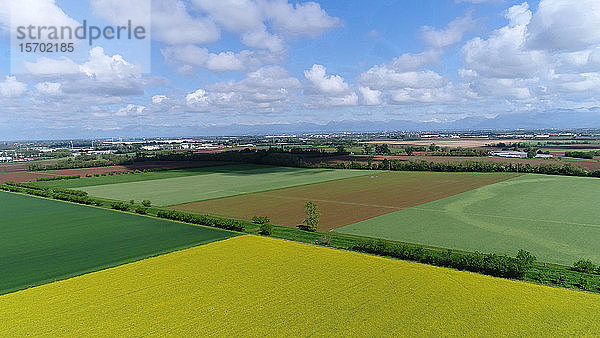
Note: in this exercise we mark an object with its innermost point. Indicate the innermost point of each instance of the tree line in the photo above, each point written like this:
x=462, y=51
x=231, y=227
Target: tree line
x=488, y=264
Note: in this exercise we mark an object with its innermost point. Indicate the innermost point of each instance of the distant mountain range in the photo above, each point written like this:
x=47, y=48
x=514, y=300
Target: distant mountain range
x=560, y=119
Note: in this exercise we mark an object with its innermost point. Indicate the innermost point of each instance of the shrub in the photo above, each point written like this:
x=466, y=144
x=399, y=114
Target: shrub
x=489, y=264
x=120, y=206
x=324, y=240
x=146, y=203
x=222, y=223
x=266, y=229
x=538, y=276
x=582, y=283
x=96, y=175
x=56, y=178
x=132, y=202
x=584, y=265
x=561, y=280
x=261, y=220
x=141, y=210
x=88, y=175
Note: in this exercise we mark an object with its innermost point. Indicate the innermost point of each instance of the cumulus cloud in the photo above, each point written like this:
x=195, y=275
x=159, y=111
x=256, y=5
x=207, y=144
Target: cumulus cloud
x=565, y=25
x=172, y=24
x=327, y=90
x=299, y=19
x=49, y=88
x=249, y=19
x=131, y=110
x=264, y=90
x=34, y=12
x=157, y=99
x=193, y=56
x=370, y=97
x=504, y=53
x=333, y=84
x=453, y=33
x=11, y=87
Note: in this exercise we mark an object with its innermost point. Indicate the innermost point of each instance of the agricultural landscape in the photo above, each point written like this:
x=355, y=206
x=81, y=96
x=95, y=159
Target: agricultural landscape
x=227, y=243
x=299, y=168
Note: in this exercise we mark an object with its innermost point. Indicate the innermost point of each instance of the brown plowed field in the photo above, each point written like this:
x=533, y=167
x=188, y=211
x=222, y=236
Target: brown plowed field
x=24, y=176
x=347, y=201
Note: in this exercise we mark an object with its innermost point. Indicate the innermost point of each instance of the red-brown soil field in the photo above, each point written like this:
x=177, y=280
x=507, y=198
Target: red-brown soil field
x=349, y=200
x=25, y=176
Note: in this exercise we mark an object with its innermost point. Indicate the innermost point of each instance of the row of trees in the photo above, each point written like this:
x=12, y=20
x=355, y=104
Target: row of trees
x=586, y=266
x=68, y=195
x=466, y=166
x=222, y=223
x=589, y=155
x=489, y=264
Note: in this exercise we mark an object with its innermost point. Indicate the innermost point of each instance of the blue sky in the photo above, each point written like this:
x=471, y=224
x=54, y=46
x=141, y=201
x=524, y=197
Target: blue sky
x=278, y=61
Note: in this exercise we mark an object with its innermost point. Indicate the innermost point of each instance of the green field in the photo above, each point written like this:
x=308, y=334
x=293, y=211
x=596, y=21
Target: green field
x=43, y=240
x=554, y=217
x=221, y=182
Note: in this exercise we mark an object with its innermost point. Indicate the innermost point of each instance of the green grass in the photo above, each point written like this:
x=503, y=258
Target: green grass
x=221, y=183
x=554, y=217
x=43, y=240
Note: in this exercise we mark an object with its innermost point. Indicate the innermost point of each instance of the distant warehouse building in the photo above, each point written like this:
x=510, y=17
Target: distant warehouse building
x=512, y=154
x=517, y=154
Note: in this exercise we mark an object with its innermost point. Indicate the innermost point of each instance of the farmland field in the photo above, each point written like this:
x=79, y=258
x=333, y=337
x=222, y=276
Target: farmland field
x=219, y=182
x=252, y=286
x=143, y=176
x=347, y=201
x=554, y=217
x=43, y=240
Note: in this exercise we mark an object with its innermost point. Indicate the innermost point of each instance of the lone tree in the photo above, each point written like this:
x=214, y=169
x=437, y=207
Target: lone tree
x=313, y=216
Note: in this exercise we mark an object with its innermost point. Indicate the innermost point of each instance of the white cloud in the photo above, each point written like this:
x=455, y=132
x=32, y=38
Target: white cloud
x=157, y=99
x=333, y=84
x=197, y=98
x=118, y=12
x=173, y=25
x=34, y=12
x=565, y=25
x=370, y=97
x=266, y=90
x=11, y=87
x=47, y=66
x=98, y=66
x=299, y=19
x=49, y=88
x=385, y=77
x=103, y=67
x=452, y=34
x=327, y=90
x=131, y=110
x=504, y=54
x=249, y=19
x=193, y=56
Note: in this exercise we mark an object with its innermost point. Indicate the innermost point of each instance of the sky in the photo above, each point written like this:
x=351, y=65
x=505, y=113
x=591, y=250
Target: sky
x=254, y=62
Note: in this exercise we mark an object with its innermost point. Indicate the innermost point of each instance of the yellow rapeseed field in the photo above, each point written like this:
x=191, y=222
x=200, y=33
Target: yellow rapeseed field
x=251, y=286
